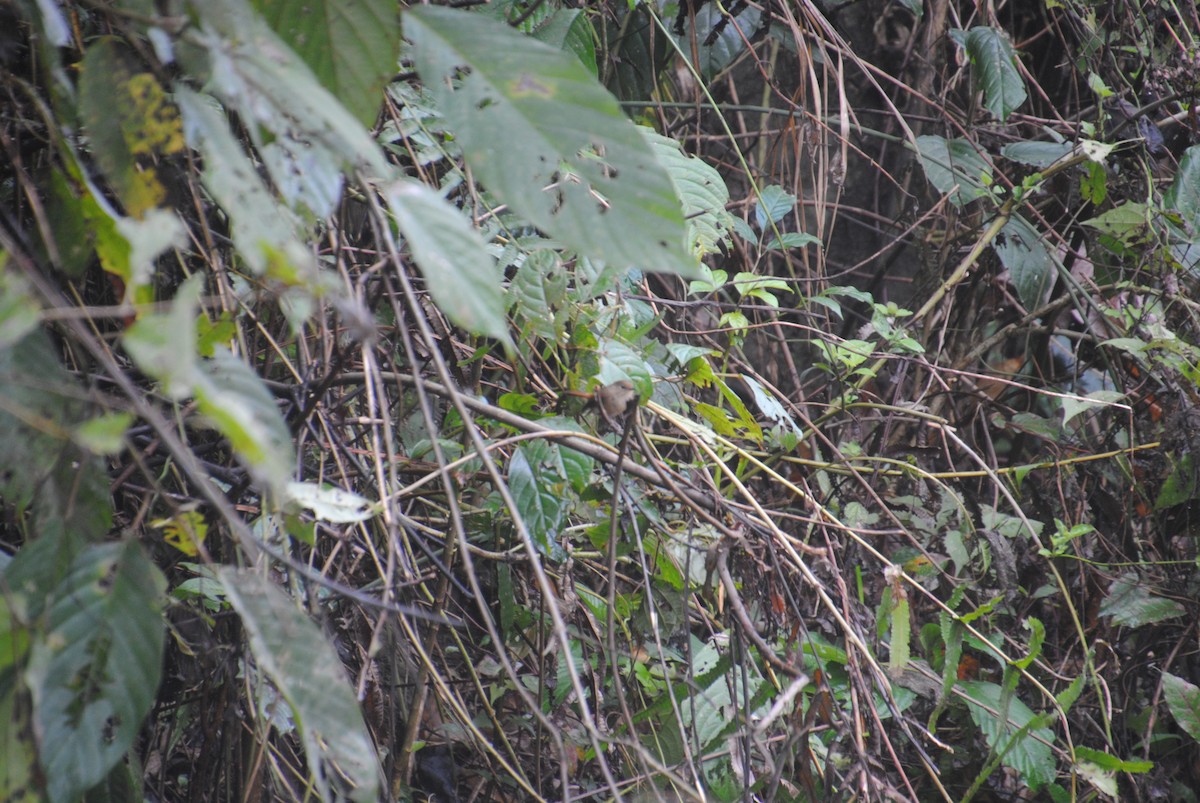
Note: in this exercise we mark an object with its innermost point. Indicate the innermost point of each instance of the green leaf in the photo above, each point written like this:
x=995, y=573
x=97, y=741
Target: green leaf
x=1127, y=222
x=328, y=503
x=619, y=361
x=1180, y=485
x=1032, y=758
x=1184, y=193
x=459, y=271
x=774, y=203
x=290, y=650
x=1037, y=154
x=1031, y=266
x=570, y=29
x=1130, y=603
x=350, y=47
x=572, y=163
x=899, y=635
x=792, y=239
x=539, y=504
x=95, y=675
x=1183, y=698
x=253, y=70
x=163, y=344
x=104, y=434
x=954, y=166
x=40, y=405
x=1111, y=763
x=702, y=191
x=266, y=233
x=993, y=65
x=231, y=396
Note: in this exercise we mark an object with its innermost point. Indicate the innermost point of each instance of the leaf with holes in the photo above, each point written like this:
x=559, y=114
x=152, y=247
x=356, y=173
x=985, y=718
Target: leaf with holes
x=569, y=159
x=95, y=675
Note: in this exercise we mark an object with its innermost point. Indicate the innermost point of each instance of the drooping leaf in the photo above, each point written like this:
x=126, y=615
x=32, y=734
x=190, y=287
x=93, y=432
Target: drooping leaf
x=227, y=392
x=993, y=65
x=266, y=234
x=350, y=47
x=1183, y=698
x=954, y=166
x=254, y=71
x=95, y=675
x=459, y=271
x=1031, y=266
x=290, y=650
x=1031, y=755
x=570, y=161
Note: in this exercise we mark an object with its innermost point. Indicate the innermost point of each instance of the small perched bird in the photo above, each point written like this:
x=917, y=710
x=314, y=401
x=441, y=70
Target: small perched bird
x=613, y=400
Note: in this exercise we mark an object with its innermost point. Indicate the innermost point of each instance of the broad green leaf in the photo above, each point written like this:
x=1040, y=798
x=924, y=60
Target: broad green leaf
x=42, y=467
x=570, y=29
x=537, y=289
x=234, y=398
x=1037, y=154
x=266, y=233
x=459, y=271
x=619, y=361
x=1184, y=193
x=702, y=191
x=1128, y=222
x=1073, y=406
x=1130, y=603
x=770, y=406
x=570, y=161
x=567, y=464
x=539, y=503
x=1183, y=698
x=1032, y=758
x=1180, y=485
x=792, y=239
x=254, y=71
x=290, y=650
x=1031, y=266
x=775, y=202
x=993, y=64
x=954, y=166
x=95, y=676
x=350, y=47
x=328, y=503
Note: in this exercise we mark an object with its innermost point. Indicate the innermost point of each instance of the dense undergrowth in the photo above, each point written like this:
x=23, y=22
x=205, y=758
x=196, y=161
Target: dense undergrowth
x=642, y=401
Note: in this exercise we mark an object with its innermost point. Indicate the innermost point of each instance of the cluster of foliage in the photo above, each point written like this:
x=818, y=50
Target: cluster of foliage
x=302, y=304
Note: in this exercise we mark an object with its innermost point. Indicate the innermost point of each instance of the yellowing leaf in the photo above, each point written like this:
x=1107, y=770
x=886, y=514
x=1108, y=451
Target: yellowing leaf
x=186, y=531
